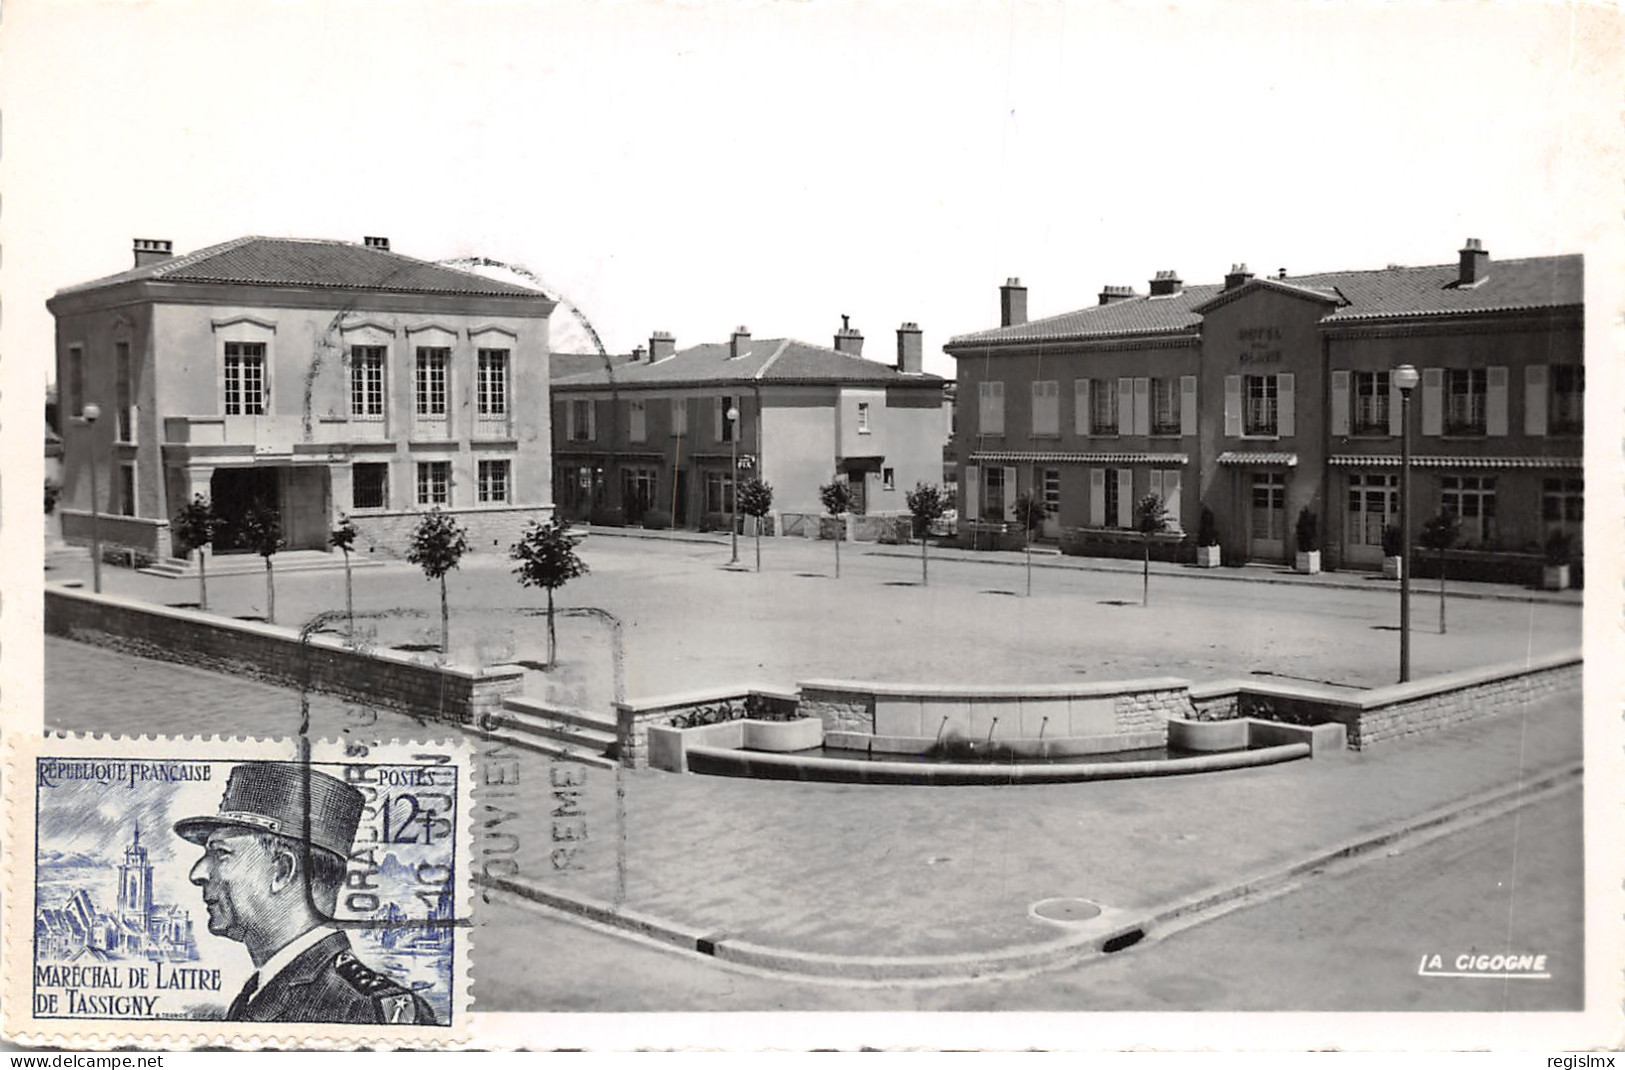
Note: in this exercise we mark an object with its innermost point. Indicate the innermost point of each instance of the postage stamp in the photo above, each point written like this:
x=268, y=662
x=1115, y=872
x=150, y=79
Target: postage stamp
x=248, y=893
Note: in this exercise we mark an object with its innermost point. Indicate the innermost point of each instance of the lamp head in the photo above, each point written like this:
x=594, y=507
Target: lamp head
x=733, y=413
x=91, y=413
x=1406, y=378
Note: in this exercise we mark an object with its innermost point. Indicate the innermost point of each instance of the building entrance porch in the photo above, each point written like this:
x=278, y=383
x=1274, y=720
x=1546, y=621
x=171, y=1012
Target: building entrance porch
x=299, y=496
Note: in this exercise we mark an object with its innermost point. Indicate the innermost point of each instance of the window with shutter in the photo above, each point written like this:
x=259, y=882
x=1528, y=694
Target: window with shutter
x=1080, y=406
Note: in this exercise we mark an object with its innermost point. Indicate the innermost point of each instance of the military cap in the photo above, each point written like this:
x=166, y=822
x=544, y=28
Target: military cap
x=279, y=797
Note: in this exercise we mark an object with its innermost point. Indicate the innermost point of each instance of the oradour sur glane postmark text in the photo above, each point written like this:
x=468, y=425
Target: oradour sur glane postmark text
x=241, y=892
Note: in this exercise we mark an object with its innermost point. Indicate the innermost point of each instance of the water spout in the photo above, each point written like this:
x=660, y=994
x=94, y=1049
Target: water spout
x=990, y=729
x=1042, y=725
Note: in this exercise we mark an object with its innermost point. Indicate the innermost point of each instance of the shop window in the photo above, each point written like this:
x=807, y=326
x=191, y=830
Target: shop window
x=1373, y=506
x=1103, y=400
x=1472, y=499
x=638, y=489
x=1263, y=405
x=369, y=486
x=1371, y=397
x=1568, y=399
x=434, y=483
x=1562, y=502
x=367, y=382
x=990, y=396
x=245, y=379
x=1466, y=394
x=493, y=482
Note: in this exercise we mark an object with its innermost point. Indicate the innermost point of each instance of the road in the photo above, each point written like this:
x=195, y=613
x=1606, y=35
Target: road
x=1350, y=940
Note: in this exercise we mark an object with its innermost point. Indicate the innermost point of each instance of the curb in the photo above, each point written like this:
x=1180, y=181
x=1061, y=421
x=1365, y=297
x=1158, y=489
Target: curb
x=1535, y=597
x=1121, y=930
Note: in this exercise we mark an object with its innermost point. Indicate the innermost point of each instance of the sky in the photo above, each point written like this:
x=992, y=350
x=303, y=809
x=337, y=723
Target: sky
x=694, y=166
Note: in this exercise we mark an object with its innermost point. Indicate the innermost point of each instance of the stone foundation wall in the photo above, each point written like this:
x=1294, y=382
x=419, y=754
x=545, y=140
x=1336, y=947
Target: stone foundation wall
x=1149, y=710
x=841, y=711
x=1453, y=705
x=392, y=679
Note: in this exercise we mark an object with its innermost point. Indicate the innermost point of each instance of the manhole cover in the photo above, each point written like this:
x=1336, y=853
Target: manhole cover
x=1066, y=909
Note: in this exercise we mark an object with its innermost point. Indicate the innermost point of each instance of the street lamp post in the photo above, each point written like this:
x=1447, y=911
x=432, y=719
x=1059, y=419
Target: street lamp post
x=1405, y=378
x=91, y=414
x=733, y=518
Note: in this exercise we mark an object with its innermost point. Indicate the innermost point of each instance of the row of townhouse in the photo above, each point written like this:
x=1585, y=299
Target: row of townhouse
x=1266, y=396
x=658, y=437
x=313, y=378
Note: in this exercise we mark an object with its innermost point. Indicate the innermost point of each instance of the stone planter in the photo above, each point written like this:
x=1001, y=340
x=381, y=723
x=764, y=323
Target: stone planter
x=1208, y=557
x=1554, y=577
x=1308, y=562
x=780, y=736
x=1392, y=567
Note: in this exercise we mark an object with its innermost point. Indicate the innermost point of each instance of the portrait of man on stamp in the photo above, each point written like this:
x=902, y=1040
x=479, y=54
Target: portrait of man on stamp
x=273, y=865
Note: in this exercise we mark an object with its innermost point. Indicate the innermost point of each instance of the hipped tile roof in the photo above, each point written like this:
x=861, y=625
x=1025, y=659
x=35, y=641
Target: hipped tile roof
x=1544, y=282
x=766, y=360
x=312, y=263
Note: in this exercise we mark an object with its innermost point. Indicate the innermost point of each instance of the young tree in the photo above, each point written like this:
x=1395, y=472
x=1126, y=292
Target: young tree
x=927, y=503
x=837, y=499
x=342, y=537
x=1150, y=518
x=547, y=558
x=1440, y=533
x=193, y=529
x=1030, y=512
x=756, y=499
x=438, y=544
x=262, y=531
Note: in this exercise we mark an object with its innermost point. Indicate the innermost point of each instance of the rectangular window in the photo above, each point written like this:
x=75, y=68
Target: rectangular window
x=726, y=428
x=369, y=486
x=367, y=382
x=581, y=420
x=491, y=382
x=430, y=387
x=1113, y=498
x=1465, y=392
x=245, y=379
x=888, y=479
x=1566, y=414
x=434, y=482
x=993, y=500
x=1562, y=501
x=863, y=417
x=1263, y=405
x=76, y=381
x=1373, y=506
x=990, y=397
x=638, y=489
x=126, y=489
x=638, y=430
x=719, y=492
x=1472, y=499
x=1371, y=394
x=679, y=417
x=1165, y=407
x=1103, y=399
x=1047, y=407
x=1052, y=491
x=493, y=479
x=125, y=393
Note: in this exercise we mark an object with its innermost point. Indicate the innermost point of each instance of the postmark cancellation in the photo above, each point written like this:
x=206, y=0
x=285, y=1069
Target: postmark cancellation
x=248, y=893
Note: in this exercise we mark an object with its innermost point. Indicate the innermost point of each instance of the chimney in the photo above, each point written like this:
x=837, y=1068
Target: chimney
x=661, y=346
x=1282, y=274
x=1012, y=303
x=1239, y=276
x=1166, y=284
x=910, y=353
x=152, y=250
x=1475, y=263
x=639, y=354
x=847, y=339
x=381, y=244
x=739, y=343
x=1108, y=294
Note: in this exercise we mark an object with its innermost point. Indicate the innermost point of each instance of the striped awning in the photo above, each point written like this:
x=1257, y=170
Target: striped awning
x=1164, y=460
x=1355, y=460
x=1259, y=459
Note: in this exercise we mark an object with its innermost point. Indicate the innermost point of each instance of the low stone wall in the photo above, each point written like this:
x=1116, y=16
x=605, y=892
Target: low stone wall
x=634, y=718
x=929, y=711
x=275, y=654
x=489, y=530
x=1385, y=714
x=145, y=537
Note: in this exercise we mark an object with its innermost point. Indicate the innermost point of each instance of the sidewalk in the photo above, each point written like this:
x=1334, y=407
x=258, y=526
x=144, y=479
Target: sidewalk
x=1049, y=557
